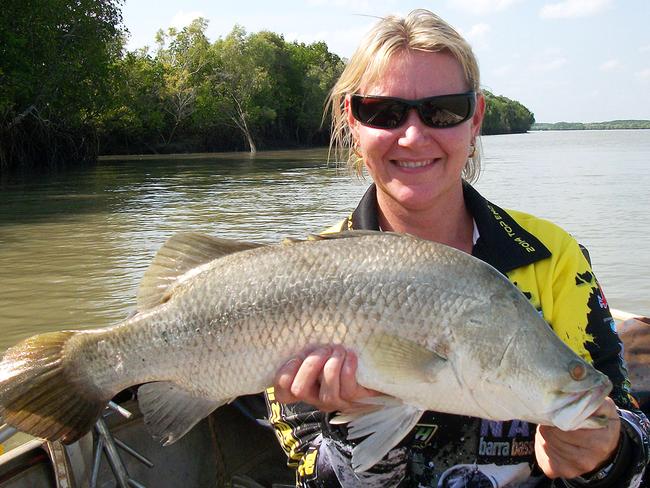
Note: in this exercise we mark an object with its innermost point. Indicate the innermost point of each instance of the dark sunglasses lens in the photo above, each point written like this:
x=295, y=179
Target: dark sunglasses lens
x=379, y=112
x=447, y=111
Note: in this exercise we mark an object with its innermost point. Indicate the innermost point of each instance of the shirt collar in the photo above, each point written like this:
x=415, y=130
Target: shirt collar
x=503, y=243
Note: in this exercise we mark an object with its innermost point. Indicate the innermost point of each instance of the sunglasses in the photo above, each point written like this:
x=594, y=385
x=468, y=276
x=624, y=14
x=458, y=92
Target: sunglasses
x=391, y=112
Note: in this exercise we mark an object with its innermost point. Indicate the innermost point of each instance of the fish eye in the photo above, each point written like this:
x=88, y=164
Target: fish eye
x=577, y=370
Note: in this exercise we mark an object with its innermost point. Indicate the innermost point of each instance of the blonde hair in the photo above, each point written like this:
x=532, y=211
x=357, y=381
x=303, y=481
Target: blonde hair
x=420, y=30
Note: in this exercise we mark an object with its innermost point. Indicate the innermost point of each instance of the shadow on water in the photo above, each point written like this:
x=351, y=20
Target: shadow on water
x=73, y=246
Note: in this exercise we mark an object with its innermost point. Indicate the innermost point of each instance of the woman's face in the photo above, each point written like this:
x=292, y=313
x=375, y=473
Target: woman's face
x=415, y=165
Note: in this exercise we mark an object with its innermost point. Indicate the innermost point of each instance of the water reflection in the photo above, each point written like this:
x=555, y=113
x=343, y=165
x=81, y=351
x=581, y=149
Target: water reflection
x=73, y=247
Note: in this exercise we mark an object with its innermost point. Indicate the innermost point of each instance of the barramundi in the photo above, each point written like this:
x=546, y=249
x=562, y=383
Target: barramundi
x=433, y=328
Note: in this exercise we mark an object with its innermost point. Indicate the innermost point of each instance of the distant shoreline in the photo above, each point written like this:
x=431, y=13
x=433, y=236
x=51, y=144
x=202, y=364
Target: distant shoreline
x=610, y=125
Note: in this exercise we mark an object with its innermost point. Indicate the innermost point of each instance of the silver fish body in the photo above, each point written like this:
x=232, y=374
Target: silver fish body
x=434, y=329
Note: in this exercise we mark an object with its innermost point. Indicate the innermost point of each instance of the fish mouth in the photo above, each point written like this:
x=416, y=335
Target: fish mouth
x=573, y=410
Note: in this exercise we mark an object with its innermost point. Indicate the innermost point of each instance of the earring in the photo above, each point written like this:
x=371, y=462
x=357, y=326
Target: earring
x=355, y=147
x=472, y=149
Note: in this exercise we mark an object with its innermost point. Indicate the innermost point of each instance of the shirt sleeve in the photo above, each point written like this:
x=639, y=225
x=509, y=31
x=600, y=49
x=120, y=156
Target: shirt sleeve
x=297, y=427
x=580, y=303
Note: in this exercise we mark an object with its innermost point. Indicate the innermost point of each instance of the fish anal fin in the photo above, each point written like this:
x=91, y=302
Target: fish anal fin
x=383, y=428
x=399, y=359
x=170, y=411
x=177, y=258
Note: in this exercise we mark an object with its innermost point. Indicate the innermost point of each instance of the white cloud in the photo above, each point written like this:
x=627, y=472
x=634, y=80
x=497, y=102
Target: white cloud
x=340, y=41
x=574, y=8
x=502, y=71
x=477, y=35
x=482, y=6
x=548, y=65
x=610, y=65
x=644, y=74
x=478, y=30
x=183, y=19
x=645, y=49
x=361, y=5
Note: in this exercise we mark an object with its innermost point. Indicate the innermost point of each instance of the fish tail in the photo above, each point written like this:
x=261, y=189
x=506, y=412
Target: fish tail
x=44, y=393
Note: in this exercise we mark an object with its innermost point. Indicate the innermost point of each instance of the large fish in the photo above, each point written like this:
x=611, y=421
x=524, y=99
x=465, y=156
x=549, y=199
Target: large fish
x=433, y=328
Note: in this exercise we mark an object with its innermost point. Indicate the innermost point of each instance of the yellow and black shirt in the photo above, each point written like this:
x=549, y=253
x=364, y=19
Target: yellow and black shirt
x=451, y=451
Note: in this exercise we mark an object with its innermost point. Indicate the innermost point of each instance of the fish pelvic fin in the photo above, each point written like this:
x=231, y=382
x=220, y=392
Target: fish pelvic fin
x=182, y=253
x=383, y=428
x=170, y=411
x=43, y=393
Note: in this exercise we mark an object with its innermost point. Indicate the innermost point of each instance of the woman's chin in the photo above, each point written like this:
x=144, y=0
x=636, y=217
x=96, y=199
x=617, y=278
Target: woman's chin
x=411, y=197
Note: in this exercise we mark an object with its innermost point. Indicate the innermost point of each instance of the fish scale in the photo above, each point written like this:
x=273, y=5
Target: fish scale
x=433, y=329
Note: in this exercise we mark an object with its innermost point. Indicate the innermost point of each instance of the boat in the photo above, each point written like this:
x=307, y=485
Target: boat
x=229, y=448
x=233, y=447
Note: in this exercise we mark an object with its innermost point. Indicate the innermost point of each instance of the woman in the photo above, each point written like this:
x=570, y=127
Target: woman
x=408, y=107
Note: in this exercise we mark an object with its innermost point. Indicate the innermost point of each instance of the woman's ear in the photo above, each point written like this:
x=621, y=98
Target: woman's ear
x=479, y=113
x=352, y=122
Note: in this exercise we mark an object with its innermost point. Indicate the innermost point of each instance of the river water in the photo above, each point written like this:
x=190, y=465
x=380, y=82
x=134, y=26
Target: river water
x=74, y=246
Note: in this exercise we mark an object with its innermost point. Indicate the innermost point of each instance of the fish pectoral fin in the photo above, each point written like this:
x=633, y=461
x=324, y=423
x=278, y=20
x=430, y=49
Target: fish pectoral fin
x=170, y=411
x=384, y=427
x=181, y=254
x=399, y=359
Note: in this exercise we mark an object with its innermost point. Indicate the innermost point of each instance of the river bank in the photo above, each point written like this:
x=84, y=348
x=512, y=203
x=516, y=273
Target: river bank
x=610, y=125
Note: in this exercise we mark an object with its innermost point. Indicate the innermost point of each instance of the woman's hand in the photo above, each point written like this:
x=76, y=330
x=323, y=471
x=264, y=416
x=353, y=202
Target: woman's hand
x=570, y=454
x=324, y=378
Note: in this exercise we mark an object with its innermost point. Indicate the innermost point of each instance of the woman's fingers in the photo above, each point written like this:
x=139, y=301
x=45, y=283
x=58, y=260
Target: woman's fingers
x=570, y=454
x=324, y=378
x=306, y=383
x=330, y=381
x=297, y=379
x=284, y=379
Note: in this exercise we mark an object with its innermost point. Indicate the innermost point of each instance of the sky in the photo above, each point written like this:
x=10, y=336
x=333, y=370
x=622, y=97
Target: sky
x=565, y=60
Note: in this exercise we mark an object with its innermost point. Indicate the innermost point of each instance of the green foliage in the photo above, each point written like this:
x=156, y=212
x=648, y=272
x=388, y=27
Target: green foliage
x=55, y=61
x=67, y=89
x=242, y=91
x=611, y=125
x=505, y=116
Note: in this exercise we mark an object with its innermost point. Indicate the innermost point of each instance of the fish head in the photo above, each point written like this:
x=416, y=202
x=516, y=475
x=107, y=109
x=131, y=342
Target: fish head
x=573, y=407
x=530, y=374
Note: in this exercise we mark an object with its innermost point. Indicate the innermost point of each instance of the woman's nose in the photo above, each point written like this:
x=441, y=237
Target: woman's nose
x=413, y=130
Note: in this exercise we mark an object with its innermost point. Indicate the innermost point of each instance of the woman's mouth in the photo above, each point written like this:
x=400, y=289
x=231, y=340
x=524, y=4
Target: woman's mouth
x=412, y=164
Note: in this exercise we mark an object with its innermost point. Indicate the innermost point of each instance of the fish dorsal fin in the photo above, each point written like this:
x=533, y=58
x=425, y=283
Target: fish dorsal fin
x=399, y=359
x=182, y=253
x=385, y=426
x=170, y=411
x=344, y=234
x=350, y=234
